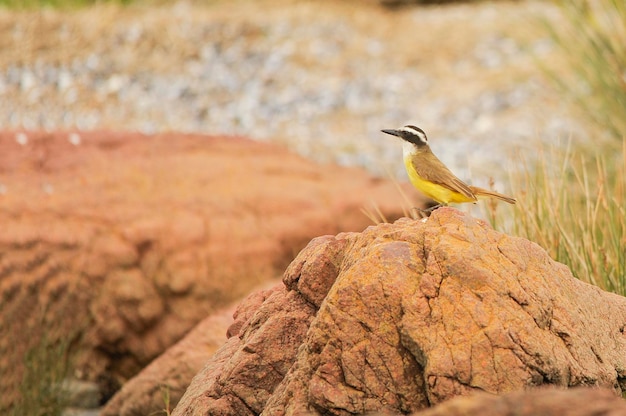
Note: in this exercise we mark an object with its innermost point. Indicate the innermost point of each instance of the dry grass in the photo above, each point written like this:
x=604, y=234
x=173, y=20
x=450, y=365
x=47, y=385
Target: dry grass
x=60, y=4
x=573, y=201
x=592, y=38
x=573, y=206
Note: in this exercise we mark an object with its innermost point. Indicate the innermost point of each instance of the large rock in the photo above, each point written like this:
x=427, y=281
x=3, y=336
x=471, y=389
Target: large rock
x=161, y=384
x=404, y=316
x=122, y=243
x=544, y=401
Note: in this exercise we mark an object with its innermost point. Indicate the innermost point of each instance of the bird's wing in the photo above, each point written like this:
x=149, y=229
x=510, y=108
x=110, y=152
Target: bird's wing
x=432, y=169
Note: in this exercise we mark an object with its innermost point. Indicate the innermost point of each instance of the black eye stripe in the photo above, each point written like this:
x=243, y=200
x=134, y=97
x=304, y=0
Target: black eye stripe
x=414, y=135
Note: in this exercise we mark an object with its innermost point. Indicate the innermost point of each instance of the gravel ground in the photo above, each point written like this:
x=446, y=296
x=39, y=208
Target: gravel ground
x=322, y=78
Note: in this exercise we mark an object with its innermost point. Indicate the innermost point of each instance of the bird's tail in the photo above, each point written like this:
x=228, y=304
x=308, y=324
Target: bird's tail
x=480, y=192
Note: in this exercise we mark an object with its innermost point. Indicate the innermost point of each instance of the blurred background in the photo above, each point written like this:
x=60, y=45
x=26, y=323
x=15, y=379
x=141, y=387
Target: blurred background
x=528, y=97
x=320, y=77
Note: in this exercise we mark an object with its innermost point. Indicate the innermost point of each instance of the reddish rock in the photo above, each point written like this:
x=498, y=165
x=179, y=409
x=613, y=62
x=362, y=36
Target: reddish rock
x=161, y=384
x=241, y=376
x=545, y=401
x=125, y=242
x=419, y=312
x=247, y=308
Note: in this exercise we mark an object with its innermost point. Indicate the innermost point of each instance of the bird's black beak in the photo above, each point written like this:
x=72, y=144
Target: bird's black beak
x=392, y=132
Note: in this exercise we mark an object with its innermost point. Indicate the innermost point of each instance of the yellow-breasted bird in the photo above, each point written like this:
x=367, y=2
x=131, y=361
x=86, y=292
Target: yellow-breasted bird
x=430, y=176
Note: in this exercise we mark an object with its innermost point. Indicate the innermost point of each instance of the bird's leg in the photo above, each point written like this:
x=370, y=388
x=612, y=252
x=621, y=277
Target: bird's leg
x=427, y=211
x=431, y=209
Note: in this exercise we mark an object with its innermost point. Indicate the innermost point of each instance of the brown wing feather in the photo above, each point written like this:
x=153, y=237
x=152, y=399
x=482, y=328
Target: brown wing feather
x=429, y=167
x=484, y=192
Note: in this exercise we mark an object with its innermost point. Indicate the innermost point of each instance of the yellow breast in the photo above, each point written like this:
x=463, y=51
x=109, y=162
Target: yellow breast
x=432, y=190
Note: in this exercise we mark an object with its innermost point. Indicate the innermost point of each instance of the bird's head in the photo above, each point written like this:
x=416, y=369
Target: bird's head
x=411, y=134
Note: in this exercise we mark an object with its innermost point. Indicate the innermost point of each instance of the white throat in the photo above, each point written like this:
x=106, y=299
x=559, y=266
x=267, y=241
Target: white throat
x=408, y=149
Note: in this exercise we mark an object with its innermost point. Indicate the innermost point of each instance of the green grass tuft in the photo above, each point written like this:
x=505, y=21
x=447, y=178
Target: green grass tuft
x=42, y=393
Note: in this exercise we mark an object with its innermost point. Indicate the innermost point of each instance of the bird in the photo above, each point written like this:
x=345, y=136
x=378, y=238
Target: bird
x=430, y=176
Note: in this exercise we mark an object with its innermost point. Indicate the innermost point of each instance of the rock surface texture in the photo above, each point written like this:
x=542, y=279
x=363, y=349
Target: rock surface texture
x=122, y=243
x=405, y=316
x=546, y=401
x=162, y=383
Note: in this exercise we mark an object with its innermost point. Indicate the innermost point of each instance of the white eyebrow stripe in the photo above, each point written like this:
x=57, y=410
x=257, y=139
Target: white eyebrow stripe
x=411, y=130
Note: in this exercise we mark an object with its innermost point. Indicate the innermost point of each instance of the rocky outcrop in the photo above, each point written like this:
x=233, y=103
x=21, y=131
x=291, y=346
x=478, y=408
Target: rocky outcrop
x=405, y=316
x=161, y=384
x=546, y=401
x=121, y=243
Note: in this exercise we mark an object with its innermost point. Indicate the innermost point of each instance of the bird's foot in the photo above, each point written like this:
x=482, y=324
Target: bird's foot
x=425, y=212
